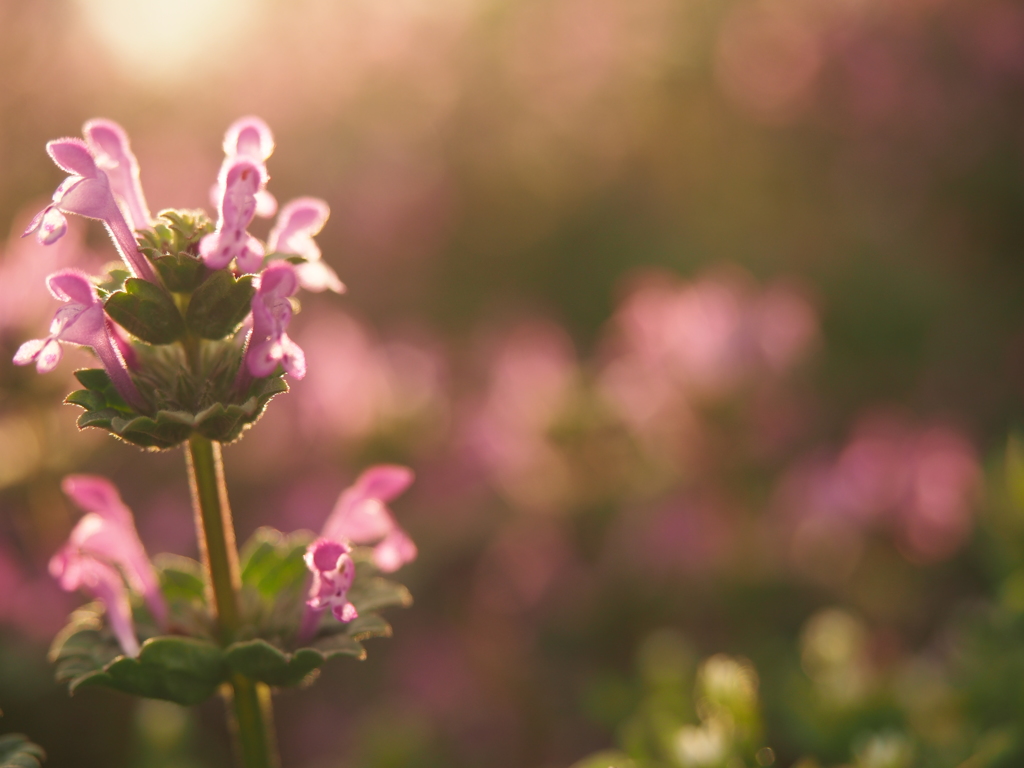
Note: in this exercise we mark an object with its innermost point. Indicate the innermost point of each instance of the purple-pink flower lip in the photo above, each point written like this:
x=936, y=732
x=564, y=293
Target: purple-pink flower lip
x=326, y=554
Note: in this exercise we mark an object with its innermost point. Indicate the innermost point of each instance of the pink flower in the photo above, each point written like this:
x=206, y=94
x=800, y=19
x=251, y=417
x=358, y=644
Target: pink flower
x=104, y=550
x=240, y=179
x=109, y=145
x=250, y=137
x=361, y=516
x=296, y=225
x=87, y=192
x=82, y=322
x=269, y=343
x=333, y=573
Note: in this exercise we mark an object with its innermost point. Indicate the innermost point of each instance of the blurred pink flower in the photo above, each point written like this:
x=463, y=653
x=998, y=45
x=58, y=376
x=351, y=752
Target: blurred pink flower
x=360, y=385
x=361, y=516
x=333, y=573
x=293, y=233
x=269, y=343
x=674, y=345
x=920, y=483
x=710, y=336
x=104, y=550
x=532, y=377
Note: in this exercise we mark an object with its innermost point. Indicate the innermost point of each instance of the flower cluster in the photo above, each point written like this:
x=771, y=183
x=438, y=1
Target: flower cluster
x=104, y=557
x=193, y=334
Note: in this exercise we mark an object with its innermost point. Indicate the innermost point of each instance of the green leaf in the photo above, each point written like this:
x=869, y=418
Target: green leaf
x=219, y=305
x=340, y=645
x=100, y=418
x=87, y=398
x=16, y=751
x=181, y=578
x=146, y=310
x=368, y=625
x=181, y=273
x=375, y=592
x=272, y=563
x=93, y=378
x=259, y=660
x=184, y=670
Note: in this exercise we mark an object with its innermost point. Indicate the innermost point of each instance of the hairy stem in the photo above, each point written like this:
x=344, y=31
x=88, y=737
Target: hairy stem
x=251, y=721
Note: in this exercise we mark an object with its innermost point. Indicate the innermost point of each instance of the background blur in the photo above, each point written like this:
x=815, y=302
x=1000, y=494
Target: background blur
x=700, y=321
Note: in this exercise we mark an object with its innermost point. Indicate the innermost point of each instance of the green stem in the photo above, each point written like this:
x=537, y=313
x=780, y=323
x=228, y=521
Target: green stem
x=216, y=532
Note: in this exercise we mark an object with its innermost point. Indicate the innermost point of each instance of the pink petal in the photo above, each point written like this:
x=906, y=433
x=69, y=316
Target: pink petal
x=51, y=225
x=72, y=285
x=29, y=351
x=316, y=276
x=292, y=358
x=345, y=613
x=239, y=181
x=396, y=550
x=109, y=143
x=385, y=481
x=75, y=571
x=249, y=137
x=262, y=358
x=49, y=356
x=73, y=156
x=324, y=554
x=298, y=222
x=278, y=280
x=97, y=494
x=266, y=204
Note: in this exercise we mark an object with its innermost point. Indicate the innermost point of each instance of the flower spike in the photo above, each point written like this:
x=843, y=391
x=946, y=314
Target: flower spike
x=240, y=180
x=271, y=314
x=81, y=322
x=110, y=146
x=296, y=225
x=87, y=192
x=251, y=138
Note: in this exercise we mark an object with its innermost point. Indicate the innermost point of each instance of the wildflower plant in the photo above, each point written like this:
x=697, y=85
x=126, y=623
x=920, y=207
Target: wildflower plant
x=191, y=335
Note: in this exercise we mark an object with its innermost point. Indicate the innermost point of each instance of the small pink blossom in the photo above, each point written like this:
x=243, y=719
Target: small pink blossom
x=81, y=322
x=296, y=225
x=109, y=145
x=361, y=516
x=333, y=573
x=240, y=180
x=104, y=550
x=87, y=192
x=269, y=343
x=251, y=138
